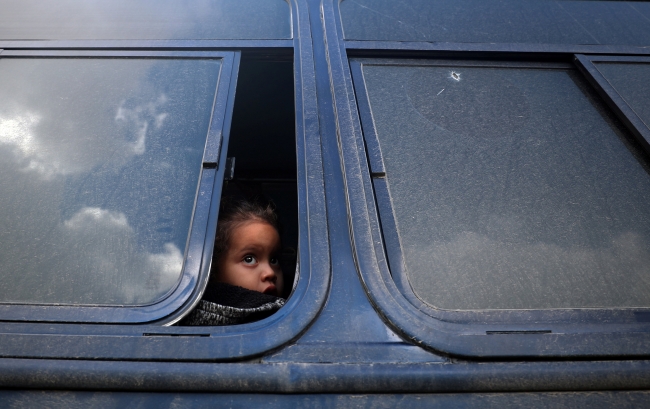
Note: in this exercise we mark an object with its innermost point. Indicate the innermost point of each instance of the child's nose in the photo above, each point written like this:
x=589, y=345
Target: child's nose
x=268, y=274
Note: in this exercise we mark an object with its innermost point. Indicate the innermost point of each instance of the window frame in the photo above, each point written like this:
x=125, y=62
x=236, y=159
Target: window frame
x=491, y=333
x=414, y=326
x=616, y=102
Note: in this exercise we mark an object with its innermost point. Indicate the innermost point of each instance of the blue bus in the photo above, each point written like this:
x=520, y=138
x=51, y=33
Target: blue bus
x=463, y=187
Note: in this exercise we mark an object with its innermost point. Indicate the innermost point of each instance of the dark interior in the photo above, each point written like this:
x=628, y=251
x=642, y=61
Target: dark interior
x=262, y=141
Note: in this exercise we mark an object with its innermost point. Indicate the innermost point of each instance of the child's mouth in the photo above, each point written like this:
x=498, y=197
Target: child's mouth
x=270, y=290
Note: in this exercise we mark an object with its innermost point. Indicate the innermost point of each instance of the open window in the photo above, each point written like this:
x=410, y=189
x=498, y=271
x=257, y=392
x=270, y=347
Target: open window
x=263, y=146
x=111, y=169
x=512, y=205
x=261, y=168
x=261, y=163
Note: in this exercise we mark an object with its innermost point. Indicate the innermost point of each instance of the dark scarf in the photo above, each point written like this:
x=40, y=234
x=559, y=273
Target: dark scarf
x=225, y=304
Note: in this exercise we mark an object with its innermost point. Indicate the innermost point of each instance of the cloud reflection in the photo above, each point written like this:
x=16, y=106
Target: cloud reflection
x=139, y=117
x=18, y=132
x=99, y=160
x=474, y=271
x=114, y=268
x=97, y=218
x=59, y=117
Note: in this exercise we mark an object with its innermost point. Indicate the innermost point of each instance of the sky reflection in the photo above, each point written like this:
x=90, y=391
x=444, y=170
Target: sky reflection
x=99, y=165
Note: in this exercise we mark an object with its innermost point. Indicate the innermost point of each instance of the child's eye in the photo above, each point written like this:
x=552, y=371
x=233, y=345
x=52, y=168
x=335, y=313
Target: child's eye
x=274, y=261
x=248, y=259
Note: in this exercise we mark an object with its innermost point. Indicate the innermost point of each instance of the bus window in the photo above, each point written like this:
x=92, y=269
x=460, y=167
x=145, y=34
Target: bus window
x=514, y=202
x=506, y=192
x=262, y=175
x=102, y=155
x=263, y=144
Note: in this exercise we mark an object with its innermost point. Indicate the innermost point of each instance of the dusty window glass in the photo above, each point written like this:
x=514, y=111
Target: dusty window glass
x=99, y=166
x=632, y=82
x=511, y=188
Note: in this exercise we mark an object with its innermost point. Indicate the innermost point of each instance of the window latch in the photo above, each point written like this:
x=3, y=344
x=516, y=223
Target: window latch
x=229, y=173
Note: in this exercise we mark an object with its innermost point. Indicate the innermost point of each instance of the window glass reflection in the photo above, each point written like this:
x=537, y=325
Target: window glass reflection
x=511, y=188
x=99, y=165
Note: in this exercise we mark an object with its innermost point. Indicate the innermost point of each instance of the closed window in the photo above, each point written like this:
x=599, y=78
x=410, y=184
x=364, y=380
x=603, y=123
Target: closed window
x=107, y=175
x=511, y=200
x=509, y=189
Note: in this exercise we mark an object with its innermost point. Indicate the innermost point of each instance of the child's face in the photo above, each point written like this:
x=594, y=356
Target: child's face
x=251, y=260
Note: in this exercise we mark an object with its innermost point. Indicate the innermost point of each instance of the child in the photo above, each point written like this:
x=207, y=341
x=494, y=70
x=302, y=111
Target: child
x=246, y=280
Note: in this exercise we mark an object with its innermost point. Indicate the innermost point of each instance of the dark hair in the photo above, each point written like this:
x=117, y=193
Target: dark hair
x=235, y=213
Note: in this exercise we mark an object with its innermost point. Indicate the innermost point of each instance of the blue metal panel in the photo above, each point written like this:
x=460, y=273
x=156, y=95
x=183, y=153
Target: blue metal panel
x=497, y=21
x=346, y=377
x=83, y=400
x=144, y=20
